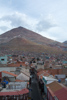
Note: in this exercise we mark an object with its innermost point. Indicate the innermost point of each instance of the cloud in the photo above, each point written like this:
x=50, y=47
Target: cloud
x=57, y=33
x=15, y=19
x=4, y=28
x=44, y=25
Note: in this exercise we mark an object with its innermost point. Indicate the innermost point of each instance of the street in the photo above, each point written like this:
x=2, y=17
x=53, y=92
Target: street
x=34, y=89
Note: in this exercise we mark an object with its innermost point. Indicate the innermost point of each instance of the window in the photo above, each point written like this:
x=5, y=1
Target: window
x=2, y=59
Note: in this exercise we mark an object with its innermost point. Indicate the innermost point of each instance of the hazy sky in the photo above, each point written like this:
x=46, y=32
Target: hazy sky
x=46, y=17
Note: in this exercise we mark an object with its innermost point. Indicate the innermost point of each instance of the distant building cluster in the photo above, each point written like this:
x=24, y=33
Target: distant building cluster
x=16, y=73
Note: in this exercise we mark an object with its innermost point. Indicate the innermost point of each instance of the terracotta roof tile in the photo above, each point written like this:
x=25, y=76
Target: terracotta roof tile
x=54, y=86
x=19, y=80
x=23, y=91
x=42, y=72
x=61, y=94
x=39, y=70
x=8, y=93
x=6, y=72
x=51, y=91
x=17, y=64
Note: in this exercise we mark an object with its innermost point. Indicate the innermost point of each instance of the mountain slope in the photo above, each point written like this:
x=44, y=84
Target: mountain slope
x=21, y=44
x=65, y=43
x=21, y=39
x=25, y=33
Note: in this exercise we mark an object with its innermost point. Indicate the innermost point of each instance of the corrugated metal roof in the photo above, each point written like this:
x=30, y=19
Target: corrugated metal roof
x=49, y=78
x=61, y=94
x=25, y=71
x=22, y=76
x=16, y=85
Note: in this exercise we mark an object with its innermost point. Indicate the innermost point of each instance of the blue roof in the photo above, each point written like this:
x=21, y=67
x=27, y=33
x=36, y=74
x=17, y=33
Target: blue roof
x=5, y=81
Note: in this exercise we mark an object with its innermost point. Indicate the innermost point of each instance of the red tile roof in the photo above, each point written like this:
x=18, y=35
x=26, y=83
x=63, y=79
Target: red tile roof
x=55, y=71
x=43, y=72
x=23, y=91
x=57, y=89
x=40, y=69
x=61, y=94
x=51, y=92
x=17, y=64
x=6, y=72
x=54, y=86
x=18, y=80
x=8, y=93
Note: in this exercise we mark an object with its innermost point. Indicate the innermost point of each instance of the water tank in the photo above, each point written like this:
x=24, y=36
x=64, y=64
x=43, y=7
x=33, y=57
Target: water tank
x=59, y=80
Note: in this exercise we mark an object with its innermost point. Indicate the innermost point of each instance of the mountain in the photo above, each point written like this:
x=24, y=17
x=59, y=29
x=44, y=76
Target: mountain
x=27, y=34
x=21, y=39
x=65, y=45
x=21, y=44
x=65, y=42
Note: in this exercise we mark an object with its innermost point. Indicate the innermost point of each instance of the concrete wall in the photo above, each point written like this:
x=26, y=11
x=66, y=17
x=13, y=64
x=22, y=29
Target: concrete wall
x=9, y=69
x=55, y=71
x=49, y=95
x=11, y=78
x=4, y=74
x=3, y=59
